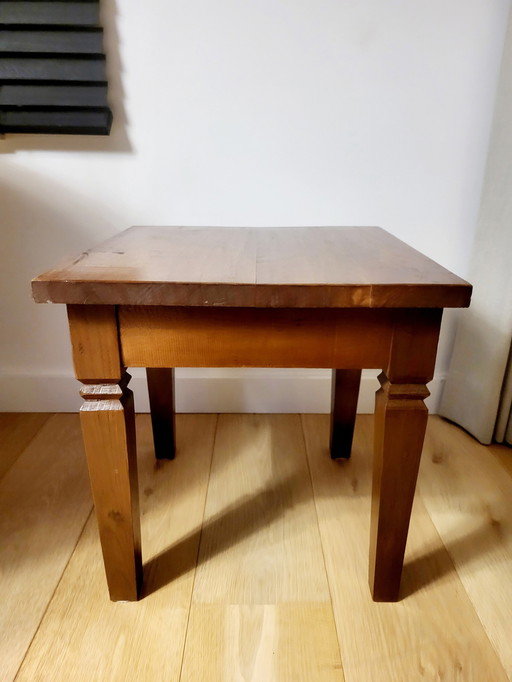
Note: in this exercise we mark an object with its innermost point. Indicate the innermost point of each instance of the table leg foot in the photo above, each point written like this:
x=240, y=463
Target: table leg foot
x=161, y=401
x=345, y=392
x=400, y=423
x=108, y=427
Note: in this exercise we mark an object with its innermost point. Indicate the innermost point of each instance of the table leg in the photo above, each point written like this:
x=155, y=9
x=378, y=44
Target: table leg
x=400, y=423
x=108, y=427
x=161, y=401
x=345, y=392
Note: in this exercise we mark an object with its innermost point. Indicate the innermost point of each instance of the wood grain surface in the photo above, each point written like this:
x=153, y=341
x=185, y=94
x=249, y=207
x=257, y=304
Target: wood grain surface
x=16, y=432
x=255, y=643
x=44, y=504
x=94, y=339
x=154, y=336
x=400, y=423
x=476, y=529
x=259, y=495
x=434, y=632
x=86, y=637
x=107, y=418
x=453, y=623
x=255, y=267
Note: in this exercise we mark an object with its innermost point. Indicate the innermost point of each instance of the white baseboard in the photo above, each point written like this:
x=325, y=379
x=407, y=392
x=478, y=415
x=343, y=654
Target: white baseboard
x=204, y=390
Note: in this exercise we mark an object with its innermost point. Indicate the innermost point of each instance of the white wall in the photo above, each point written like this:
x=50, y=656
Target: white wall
x=262, y=112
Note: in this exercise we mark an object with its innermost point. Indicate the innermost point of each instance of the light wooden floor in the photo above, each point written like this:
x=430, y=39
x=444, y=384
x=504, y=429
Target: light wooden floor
x=256, y=551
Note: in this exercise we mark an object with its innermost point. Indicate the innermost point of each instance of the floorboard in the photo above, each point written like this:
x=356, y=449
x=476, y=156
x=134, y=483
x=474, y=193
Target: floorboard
x=256, y=559
x=503, y=453
x=469, y=497
x=260, y=542
x=261, y=604
x=294, y=642
x=84, y=636
x=433, y=632
x=16, y=432
x=44, y=504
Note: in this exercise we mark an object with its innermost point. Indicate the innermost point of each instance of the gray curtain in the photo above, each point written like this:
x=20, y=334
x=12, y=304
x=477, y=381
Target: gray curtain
x=478, y=389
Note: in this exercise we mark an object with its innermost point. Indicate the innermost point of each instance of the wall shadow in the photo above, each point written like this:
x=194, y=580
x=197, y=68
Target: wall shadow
x=41, y=223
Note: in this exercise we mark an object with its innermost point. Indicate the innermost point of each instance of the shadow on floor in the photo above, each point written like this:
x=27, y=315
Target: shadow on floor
x=233, y=524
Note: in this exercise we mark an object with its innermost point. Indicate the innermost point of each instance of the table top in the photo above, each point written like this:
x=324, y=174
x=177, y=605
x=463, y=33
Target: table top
x=347, y=267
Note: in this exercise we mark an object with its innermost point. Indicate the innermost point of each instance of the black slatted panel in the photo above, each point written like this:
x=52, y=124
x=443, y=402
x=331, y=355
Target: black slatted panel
x=65, y=41
x=52, y=68
x=53, y=95
x=56, y=13
x=72, y=121
x=23, y=69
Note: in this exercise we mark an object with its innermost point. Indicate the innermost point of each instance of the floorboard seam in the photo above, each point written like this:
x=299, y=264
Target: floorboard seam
x=54, y=592
x=484, y=632
x=306, y=451
x=198, y=549
x=50, y=415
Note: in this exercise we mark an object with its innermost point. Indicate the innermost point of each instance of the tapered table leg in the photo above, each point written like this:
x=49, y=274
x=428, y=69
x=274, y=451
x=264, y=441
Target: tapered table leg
x=400, y=422
x=345, y=392
x=108, y=427
x=161, y=401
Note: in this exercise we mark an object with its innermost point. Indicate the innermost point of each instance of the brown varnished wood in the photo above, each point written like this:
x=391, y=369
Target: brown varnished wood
x=345, y=298
x=95, y=342
x=242, y=337
x=254, y=267
x=345, y=392
x=161, y=401
x=108, y=426
x=414, y=346
x=400, y=423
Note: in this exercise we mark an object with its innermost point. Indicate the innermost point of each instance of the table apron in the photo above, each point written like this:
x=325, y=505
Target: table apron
x=163, y=336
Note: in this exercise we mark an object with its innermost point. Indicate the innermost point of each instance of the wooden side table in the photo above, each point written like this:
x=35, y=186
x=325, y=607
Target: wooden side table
x=343, y=298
